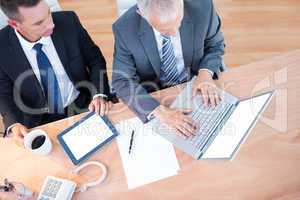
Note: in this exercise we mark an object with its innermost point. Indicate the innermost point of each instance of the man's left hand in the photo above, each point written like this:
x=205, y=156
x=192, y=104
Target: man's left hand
x=100, y=105
x=209, y=91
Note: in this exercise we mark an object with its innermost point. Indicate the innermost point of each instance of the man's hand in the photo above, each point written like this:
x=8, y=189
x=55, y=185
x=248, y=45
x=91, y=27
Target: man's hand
x=209, y=91
x=100, y=106
x=177, y=120
x=19, y=132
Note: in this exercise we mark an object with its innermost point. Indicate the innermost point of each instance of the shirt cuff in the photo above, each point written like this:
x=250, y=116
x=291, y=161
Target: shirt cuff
x=209, y=71
x=8, y=130
x=151, y=115
x=100, y=95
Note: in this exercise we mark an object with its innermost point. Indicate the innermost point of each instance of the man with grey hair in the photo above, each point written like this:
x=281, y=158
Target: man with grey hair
x=162, y=43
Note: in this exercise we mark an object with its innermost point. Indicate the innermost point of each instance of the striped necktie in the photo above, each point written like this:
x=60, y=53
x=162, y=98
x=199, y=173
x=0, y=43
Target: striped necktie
x=169, y=73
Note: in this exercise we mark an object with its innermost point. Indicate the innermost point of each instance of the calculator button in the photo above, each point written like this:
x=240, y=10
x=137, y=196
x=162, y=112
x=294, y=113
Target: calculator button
x=51, y=189
x=43, y=198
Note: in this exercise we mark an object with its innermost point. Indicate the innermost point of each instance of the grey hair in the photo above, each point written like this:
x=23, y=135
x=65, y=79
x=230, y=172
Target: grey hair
x=168, y=9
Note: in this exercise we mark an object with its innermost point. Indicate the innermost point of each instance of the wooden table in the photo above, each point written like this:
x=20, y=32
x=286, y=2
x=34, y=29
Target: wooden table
x=266, y=167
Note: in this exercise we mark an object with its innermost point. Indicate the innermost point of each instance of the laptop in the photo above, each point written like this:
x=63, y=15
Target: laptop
x=222, y=129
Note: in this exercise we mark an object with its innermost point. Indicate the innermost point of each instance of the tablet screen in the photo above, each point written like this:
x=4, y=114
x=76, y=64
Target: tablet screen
x=88, y=135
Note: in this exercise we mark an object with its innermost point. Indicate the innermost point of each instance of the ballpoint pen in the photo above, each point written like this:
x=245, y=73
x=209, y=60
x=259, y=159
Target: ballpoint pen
x=131, y=141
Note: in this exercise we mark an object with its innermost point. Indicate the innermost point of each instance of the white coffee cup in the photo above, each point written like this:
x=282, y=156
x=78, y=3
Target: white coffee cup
x=38, y=142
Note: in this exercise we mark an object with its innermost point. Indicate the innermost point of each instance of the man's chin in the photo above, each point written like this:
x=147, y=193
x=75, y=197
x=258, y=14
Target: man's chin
x=49, y=33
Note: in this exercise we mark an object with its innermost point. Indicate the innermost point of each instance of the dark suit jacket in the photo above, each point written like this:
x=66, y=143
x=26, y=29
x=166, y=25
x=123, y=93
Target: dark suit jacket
x=81, y=58
x=136, y=67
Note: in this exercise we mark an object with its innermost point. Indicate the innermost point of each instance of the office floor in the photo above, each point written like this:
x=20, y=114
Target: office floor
x=97, y=16
x=253, y=29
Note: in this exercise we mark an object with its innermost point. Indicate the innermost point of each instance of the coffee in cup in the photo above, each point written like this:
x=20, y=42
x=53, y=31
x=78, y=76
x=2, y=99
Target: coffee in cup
x=38, y=142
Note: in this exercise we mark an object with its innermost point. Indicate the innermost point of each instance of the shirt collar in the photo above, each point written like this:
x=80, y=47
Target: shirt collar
x=157, y=34
x=29, y=45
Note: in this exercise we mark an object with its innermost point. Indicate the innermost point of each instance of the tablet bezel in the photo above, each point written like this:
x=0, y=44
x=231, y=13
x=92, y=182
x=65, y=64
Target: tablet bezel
x=87, y=155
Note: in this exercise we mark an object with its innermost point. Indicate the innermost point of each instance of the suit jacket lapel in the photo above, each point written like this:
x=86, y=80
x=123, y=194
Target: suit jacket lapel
x=148, y=41
x=187, y=39
x=21, y=66
x=61, y=51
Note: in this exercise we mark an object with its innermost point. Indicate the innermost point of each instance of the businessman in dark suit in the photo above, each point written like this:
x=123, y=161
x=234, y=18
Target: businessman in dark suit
x=161, y=43
x=49, y=67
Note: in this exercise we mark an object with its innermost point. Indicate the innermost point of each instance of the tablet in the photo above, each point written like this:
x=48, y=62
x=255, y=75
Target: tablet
x=86, y=136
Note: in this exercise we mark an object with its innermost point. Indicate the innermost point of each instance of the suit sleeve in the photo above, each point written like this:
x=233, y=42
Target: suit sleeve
x=214, y=46
x=127, y=82
x=94, y=60
x=8, y=109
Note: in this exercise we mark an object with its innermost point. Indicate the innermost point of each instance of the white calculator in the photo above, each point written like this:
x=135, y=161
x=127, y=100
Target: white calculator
x=57, y=189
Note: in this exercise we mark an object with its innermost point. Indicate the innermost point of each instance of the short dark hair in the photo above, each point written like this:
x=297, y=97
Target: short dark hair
x=11, y=7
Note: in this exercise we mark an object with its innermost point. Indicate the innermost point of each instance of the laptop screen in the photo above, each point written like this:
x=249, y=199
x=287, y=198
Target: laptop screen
x=237, y=127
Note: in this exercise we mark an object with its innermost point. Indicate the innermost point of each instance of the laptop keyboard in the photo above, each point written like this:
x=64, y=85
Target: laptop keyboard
x=207, y=119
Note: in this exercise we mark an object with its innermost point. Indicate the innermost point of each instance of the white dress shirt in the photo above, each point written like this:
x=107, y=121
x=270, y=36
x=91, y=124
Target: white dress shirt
x=68, y=91
x=176, y=42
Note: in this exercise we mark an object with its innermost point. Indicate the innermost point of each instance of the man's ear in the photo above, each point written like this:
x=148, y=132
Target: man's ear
x=12, y=23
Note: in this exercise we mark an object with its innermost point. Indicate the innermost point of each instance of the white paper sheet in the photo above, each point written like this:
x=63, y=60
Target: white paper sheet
x=152, y=158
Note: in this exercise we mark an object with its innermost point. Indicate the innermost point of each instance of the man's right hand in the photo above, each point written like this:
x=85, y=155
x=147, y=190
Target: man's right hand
x=18, y=132
x=177, y=119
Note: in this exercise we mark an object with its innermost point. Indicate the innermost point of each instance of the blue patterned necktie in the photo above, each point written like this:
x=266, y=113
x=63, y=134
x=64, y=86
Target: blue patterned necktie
x=49, y=81
x=169, y=73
